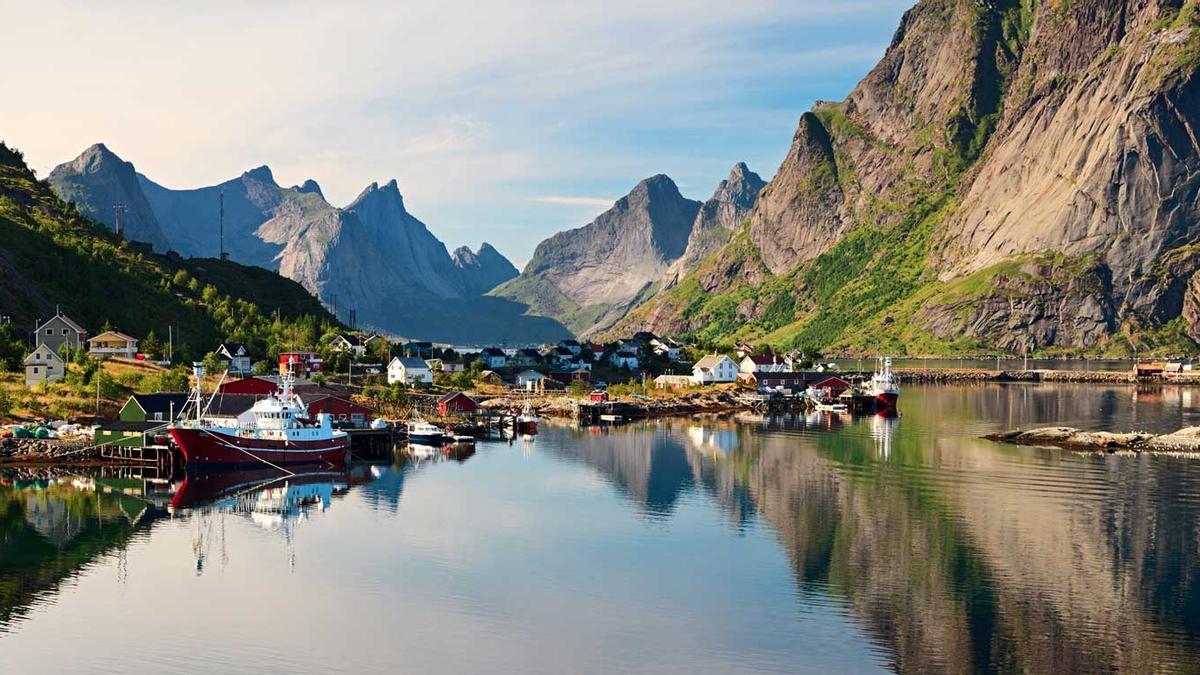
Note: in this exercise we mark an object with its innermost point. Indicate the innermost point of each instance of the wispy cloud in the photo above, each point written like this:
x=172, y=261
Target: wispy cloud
x=481, y=111
x=563, y=200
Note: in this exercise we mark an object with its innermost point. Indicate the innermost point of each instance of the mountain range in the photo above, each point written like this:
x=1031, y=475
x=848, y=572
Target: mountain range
x=1012, y=175
x=371, y=258
x=591, y=276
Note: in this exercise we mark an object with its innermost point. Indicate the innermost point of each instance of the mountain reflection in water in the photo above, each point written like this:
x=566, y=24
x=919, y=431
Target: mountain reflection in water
x=907, y=544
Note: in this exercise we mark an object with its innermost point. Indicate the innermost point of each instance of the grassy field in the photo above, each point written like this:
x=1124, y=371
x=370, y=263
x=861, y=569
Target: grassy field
x=71, y=399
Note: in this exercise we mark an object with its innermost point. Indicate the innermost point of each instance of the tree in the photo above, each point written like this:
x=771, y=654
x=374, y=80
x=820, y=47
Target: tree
x=152, y=347
x=579, y=388
x=6, y=403
x=212, y=364
x=12, y=349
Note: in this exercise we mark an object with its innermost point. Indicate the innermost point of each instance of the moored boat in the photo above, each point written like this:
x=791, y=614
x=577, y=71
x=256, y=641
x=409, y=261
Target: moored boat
x=526, y=423
x=884, y=386
x=277, y=430
x=422, y=432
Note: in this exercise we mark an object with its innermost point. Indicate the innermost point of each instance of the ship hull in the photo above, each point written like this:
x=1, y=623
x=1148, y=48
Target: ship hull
x=202, y=447
x=887, y=399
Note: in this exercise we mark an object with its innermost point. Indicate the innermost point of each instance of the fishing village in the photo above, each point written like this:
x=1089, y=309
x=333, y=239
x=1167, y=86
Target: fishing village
x=428, y=395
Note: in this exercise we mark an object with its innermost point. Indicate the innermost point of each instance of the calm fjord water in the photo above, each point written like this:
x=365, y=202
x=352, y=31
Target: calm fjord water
x=794, y=544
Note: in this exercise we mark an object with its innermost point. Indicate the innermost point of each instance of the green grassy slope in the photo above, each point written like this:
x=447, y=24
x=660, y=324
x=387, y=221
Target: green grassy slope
x=50, y=256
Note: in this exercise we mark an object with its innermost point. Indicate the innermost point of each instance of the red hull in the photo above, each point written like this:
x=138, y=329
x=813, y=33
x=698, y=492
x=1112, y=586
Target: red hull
x=205, y=447
x=887, y=400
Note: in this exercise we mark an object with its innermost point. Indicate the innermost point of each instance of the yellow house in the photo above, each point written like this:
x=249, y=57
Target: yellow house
x=112, y=343
x=43, y=365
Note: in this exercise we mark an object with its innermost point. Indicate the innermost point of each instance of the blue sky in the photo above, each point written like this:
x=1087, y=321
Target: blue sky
x=504, y=123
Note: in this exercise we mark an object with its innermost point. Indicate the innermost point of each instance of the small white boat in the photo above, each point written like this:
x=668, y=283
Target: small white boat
x=833, y=407
x=420, y=431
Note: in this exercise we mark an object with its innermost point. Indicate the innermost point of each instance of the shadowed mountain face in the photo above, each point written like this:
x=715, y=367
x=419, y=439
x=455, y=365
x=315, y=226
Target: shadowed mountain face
x=1011, y=175
x=105, y=188
x=372, y=257
x=484, y=269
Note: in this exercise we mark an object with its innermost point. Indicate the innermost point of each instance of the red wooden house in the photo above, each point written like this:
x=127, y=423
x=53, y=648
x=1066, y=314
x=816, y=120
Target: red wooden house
x=834, y=385
x=342, y=411
x=456, y=402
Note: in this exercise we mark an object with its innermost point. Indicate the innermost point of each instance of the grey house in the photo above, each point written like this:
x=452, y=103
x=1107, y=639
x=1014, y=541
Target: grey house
x=58, y=331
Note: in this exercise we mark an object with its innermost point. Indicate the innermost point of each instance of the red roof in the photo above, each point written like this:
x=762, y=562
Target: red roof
x=832, y=383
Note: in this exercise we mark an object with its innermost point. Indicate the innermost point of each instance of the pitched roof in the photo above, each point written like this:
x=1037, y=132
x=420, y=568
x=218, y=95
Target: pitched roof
x=569, y=343
x=410, y=363
x=30, y=361
x=65, y=319
x=230, y=405
x=710, y=361
x=453, y=395
x=115, y=334
x=764, y=359
x=493, y=351
x=163, y=402
x=231, y=348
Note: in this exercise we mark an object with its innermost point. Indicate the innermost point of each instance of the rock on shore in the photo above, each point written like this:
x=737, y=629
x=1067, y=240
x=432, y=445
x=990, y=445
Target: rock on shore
x=1185, y=440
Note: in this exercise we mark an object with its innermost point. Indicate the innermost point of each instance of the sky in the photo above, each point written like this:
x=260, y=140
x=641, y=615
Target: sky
x=502, y=121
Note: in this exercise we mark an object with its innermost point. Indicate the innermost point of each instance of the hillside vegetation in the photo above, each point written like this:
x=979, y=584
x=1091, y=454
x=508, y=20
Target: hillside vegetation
x=1014, y=176
x=52, y=257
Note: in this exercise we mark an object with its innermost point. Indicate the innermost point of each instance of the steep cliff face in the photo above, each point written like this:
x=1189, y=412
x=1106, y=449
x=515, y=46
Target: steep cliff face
x=482, y=270
x=1012, y=174
x=594, y=272
x=719, y=217
x=104, y=188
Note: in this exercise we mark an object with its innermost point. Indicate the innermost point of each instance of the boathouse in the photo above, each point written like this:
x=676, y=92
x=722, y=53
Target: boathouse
x=791, y=383
x=456, y=402
x=673, y=381
x=143, y=420
x=834, y=386
x=344, y=413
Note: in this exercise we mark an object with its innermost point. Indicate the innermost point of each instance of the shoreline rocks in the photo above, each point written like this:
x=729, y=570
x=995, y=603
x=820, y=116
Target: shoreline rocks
x=1186, y=440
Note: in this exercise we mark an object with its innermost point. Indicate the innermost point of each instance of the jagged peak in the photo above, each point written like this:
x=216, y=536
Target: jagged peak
x=390, y=191
x=310, y=185
x=261, y=173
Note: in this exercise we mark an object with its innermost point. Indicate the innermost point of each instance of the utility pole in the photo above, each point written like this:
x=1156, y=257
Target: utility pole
x=221, y=223
x=170, y=343
x=118, y=209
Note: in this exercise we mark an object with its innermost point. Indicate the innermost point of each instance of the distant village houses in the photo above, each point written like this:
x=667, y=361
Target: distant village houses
x=493, y=358
x=43, y=365
x=355, y=345
x=714, y=369
x=236, y=357
x=58, y=331
x=409, y=370
x=111, y=343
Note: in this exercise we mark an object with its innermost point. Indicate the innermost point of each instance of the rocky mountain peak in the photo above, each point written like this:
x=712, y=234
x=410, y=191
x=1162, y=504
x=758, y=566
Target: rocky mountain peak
x=261, y=174
x=105, y=188
x=310, y=186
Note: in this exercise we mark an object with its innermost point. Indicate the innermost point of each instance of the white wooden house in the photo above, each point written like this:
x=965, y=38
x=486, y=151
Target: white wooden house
x=714, y=369
x=409, y=370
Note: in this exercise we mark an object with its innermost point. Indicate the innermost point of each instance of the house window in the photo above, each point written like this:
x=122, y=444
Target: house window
x=64, y=331
x=49, y=331
x=158, y=417
x=35, y=370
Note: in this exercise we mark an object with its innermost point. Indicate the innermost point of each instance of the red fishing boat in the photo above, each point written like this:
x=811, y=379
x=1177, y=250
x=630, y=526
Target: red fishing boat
x=277, y=430
x=884, y=386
